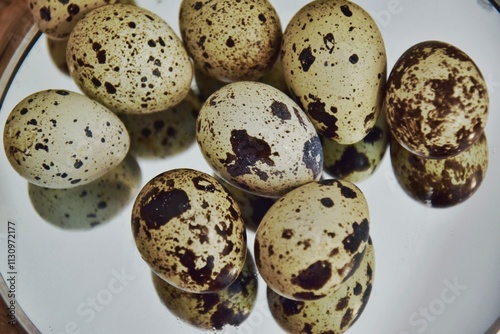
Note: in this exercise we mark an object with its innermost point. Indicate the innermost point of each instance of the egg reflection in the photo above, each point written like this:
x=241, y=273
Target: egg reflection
x=89, y=205
x=357, y=162
x=441, y=182
x=336, y=312
x=57, y=52
x=212, y=310
x=164, y=133
x=253, y=207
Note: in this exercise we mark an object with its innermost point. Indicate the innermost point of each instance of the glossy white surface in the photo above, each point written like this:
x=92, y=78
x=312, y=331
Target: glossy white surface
x=436, y=271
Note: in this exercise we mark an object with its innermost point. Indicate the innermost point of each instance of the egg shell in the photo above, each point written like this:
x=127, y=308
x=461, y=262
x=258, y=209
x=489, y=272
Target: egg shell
x=443, y=182
x=231, y=40
x=63, y=139
x=205, y=84
x=89, y=205
x=334, y=63
x=258, y=139
x=129, y=59
x=163, y=133
x=189, y=230
x=253, y=207
x=212, y=311
x=437, y=100
x=312, y=239
x=335, y=313
x=57, y=18
x=357, y=162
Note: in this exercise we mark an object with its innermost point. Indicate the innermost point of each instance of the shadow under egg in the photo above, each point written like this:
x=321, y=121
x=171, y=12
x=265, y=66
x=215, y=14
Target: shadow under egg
x=87, y=206
x=164, y=133
x=212, y=311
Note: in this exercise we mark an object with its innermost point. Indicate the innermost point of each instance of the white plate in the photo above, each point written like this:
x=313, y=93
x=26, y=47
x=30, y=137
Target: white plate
x=437, y=270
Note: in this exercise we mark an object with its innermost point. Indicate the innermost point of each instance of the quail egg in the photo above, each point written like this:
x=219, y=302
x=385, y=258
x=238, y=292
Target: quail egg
x=437, y=100
x=312, y=239
x=231, y=40
x=62, y=139
x=258, y=139
x=129, y=59
x=334, y=63
x=189, y=230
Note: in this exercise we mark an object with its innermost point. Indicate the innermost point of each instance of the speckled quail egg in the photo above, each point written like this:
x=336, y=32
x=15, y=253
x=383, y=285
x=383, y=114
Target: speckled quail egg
x=334, y=62
x=253, y=207
x=213, y=311
x=89, y=205
x=312, y=239
x=441, y=182
x=62, y=139
x=57, y=52
x=189, y=230
x=258, y=139
x=129, y=59
x=335, y=313
x=357, y=162
x=231, y=40
x=276, y=78
x=437, y=100
x=57, y=18
x=163, y=133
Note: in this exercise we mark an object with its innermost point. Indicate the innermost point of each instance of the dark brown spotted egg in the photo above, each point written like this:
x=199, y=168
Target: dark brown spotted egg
x=441, y=182
x=231, y=40
x=163, y=133
x=62, y=139
x=91, y=204
x=312, y=239
x=258, y=139
x=335, y=313
x=357, y=162
x=213, y=311
x=129, y=59
x=57, y=18
x=189, y=230
x=334, y=62
x=437, y=100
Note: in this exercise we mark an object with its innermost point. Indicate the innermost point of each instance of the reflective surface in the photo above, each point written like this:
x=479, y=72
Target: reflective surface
x=436, y=270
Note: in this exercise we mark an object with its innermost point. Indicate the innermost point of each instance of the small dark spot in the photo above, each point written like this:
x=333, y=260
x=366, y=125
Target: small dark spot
x=287, y=234
x=157, y=73
x=96, y=82
x=346, y=10
x=132, y=25
x=327, y=202
x=358, y=289
x=88, y=132
x=150, y=17
x=24, y=111
x=78, y=164
x=198, y=5
x=62, y=92
x=73, y=9
x=229, y=42
x=306, y=59
x=45, y=14
x=102, y=205
x=262, y=18
x=347, y=192
x=360, y=233
x=32, y=122
x=342, y=303
x=43, y=147
x=75, y=181
x=313, y=155
x=96, y=46
x=110, y=88
x=161, y=41
x=151, y=43
x=101, y=56
x=353, y=59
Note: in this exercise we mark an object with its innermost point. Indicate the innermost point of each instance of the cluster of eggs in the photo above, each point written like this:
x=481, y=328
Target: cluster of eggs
x=275, y=110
